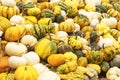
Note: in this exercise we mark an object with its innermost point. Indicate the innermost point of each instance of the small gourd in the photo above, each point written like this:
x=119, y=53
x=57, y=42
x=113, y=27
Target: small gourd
x=10, y=3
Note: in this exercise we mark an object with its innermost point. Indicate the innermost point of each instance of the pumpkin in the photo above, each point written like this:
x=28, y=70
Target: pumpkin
x=115, y=61
x=64, y=7
x=30, y=19
x=67, y=67
x=113, y=73
x=35, y=11
x=48, y=75
x=82, y=61
x=6, y=76
x=95, y=2
x=47, y=13
x=94, y=56
x=45, y=48
x=57, y=9
x=5, y=23
x=59, y=18
x=53, y=37
x=94, y=72
x=14, y=33
x=10, y=3
x=28, y=72
x=84, y=70
x=103, y=15
x=111, y=22
x=15, y=49
x=62, y=34
x=96, y=67
x=109, y=52
x=101, y=9
x=102, y=28
x=29, y=40
x=56, y=59
x=82, y=20
x=72, y=12
x=70, y=56
x=31, y=58
x=15, y=61
x=75, y=42
x=8, y=12
x=66, y=26
x=116, y=6
x=45, y=21
x=40, y=68
x=104, y=66
x=17, y=20
x=62, y=48
x=4, y=63
x=90, y=7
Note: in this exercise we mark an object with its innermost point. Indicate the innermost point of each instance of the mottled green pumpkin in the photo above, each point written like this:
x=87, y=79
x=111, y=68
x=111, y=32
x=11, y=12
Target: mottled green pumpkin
x=117, y=6
x=101, y=9
x=82, y=20
x=66, y=26
x=109, y=52
x=45, y=48
x=105, y=66
x=94, y=56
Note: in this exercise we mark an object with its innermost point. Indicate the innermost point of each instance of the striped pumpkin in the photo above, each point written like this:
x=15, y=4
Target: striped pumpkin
x=39, y=31
x=94, y=57
x=66, y=26
x=45, y=48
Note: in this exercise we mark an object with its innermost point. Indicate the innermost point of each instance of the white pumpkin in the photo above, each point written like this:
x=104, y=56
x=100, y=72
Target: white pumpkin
x=31, y=58
x=15, y=61
x=17, y=19
x=10, y=3
x=77, y=27
x=113, y=73
x=29, y=40
x=40, y=68
x=15, y=49
x=94, y=22
x=111, y=22
x=48, y=75
x=105, y=42
x=95, y=2
x=1, y=33
x=62, y=34
x=69, y=20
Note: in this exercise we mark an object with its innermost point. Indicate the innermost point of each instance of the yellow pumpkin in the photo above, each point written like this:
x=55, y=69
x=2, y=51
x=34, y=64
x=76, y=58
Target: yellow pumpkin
x=56, y=59
x=26, y=73
x=4, y=23
x=82, y=61
x=14, y=33
x=30, y=19
x=33, y=11
x=6, y=76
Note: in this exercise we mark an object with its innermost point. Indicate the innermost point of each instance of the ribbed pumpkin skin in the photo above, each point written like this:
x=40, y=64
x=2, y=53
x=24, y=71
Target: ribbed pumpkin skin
x=94, y=57
x=45, y=48
x=66, y=26
x=109, y=53
x=26, y=73
x=4, y=23
x=39, y=31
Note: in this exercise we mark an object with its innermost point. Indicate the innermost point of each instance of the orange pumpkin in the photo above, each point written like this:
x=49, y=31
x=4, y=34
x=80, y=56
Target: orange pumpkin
x=4, y=63
x=56, y=59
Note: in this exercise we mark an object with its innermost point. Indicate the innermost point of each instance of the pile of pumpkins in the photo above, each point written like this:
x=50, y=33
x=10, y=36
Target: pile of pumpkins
x=59, y=39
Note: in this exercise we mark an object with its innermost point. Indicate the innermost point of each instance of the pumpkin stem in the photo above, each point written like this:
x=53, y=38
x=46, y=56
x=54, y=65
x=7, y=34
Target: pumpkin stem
x=50, y=36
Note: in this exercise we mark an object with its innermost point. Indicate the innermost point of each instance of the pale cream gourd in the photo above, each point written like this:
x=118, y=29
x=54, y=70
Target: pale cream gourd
x=62, y=34
x=31, y=58
x=10, y=3
x=15, y=61
x=48, y=75
x=17, y=20
x=29, y=40
x=113, y=73
x=40, y=68
x=15, y=49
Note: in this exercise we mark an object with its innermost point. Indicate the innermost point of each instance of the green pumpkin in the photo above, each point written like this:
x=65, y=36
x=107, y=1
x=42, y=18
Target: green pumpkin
x=39, y=31
x=59, y=18
x=45, y=48
x=115, y=61
x=63, y=6
x=82, y=20
x=101, y=9
x=94, y=56
x=105, y=66
x=109, y=52
x=47, y=13
x=66, y=26
x=117, y=6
